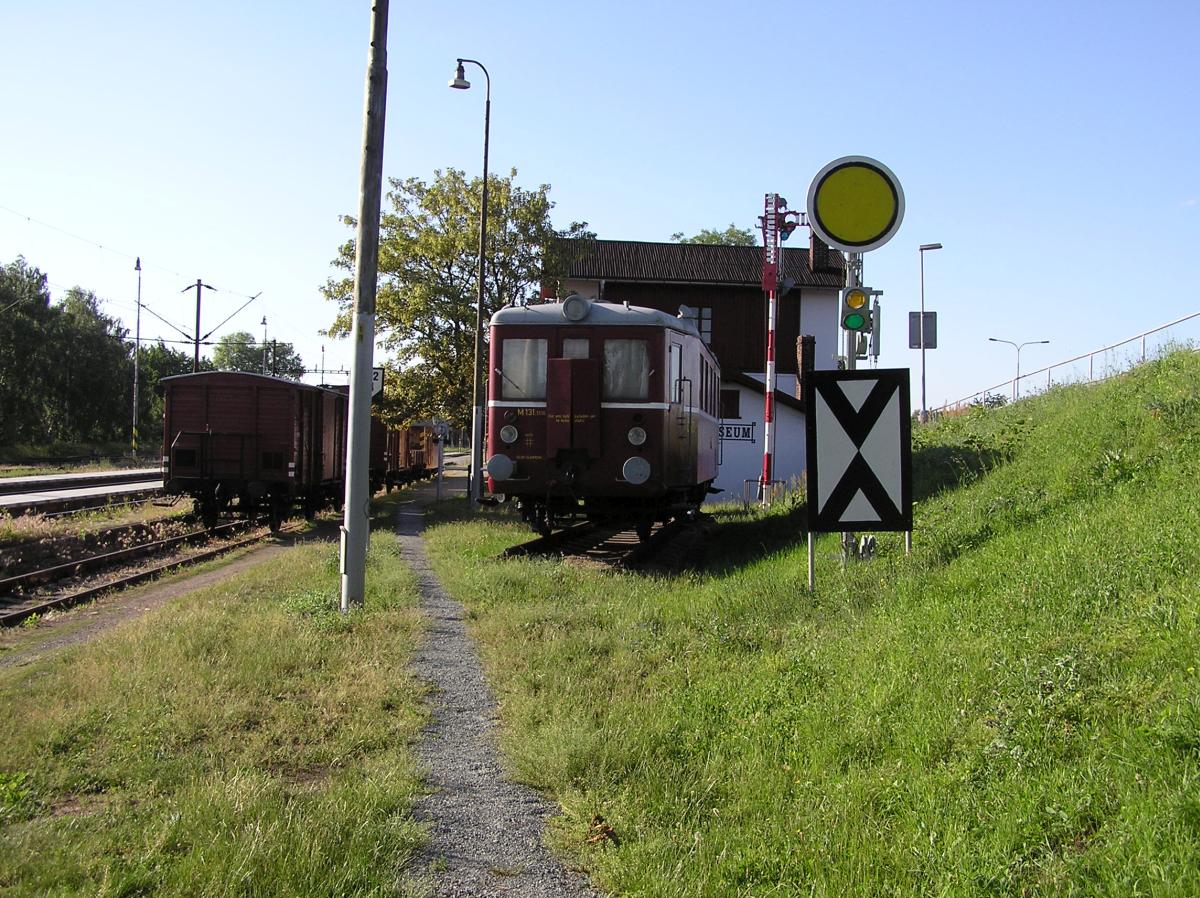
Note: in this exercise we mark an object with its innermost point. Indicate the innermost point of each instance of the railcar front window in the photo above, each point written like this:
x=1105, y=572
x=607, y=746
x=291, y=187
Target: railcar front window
x=575, y=348
x=523, y=371
x=626, y=369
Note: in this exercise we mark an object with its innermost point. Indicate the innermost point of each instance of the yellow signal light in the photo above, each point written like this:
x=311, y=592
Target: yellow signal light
x=856, y=299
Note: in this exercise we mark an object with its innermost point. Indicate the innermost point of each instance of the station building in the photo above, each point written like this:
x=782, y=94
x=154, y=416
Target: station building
x=720, y=289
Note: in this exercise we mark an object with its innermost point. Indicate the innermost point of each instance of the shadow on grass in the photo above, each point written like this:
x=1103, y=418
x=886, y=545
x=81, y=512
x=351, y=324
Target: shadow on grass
x=940, y=468
x=743, y=536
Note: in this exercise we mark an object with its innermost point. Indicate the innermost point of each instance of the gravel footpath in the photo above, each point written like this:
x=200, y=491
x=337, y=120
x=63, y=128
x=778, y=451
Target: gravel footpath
x=485, y=830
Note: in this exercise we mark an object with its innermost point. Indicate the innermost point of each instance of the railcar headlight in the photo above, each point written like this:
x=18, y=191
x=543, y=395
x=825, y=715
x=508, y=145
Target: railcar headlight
x=500, y=467
x=508, y=434
x=637, y=436
x=636, y=470
x=575, y=307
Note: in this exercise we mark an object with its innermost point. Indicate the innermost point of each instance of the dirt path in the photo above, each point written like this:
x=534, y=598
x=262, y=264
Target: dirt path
x=485, y=830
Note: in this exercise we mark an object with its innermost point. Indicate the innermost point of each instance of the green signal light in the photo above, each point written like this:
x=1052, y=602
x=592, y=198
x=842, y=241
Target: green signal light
x=854, y=321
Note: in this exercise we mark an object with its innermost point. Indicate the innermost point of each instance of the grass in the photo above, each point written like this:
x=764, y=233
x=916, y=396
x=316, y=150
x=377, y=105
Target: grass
x=1012, y=710
x=250, y=740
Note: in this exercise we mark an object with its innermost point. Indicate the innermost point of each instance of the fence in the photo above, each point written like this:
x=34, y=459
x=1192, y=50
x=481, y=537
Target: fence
x=1098, y=364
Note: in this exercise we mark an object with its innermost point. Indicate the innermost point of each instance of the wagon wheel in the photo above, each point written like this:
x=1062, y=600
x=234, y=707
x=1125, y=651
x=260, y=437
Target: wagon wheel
x=275, y=515
x=207, y=512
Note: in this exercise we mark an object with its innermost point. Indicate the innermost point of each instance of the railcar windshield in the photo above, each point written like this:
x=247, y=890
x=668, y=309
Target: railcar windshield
x=523, y=371
x=626, y=369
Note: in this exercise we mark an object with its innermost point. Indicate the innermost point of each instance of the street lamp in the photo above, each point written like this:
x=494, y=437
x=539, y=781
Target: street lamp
x=1018, y=347
x=921, y=250
x=475, y=487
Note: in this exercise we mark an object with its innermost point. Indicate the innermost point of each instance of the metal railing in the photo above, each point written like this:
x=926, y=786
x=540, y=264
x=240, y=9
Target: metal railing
x=1097, y=365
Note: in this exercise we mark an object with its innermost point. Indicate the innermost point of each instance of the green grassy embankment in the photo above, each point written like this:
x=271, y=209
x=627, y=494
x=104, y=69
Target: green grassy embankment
x=246, y=740
x=1014, y=710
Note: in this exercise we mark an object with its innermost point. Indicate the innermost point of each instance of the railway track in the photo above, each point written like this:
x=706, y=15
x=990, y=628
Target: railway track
x=21, y=596
x=670, y=548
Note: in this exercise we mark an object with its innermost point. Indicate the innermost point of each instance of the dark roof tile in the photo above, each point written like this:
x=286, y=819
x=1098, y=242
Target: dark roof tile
x=691, y=263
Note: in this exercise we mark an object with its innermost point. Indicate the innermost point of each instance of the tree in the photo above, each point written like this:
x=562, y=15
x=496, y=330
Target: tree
x=428, y=280
x=25, y=316
x=731, y=236
x=239, y=352
x=91, y=382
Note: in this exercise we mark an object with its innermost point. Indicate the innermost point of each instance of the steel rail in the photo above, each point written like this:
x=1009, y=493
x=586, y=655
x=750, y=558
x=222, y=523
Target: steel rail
x=107, y=559
x=18, y=615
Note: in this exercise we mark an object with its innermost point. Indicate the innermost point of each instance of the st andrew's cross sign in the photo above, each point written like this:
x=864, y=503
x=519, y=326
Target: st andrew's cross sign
x=859, y=435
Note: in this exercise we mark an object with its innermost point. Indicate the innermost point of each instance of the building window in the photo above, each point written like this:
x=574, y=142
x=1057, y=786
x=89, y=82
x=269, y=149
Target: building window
x=731, y=405
x=705, y=326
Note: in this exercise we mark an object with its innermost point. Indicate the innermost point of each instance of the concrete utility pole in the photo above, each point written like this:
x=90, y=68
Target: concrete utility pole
x=198, y=287
x=356, y=524
x=137, y=351
x=264, y=345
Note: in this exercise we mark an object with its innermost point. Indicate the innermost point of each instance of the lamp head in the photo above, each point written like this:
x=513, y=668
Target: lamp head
x=925, y=246
x=460, y=81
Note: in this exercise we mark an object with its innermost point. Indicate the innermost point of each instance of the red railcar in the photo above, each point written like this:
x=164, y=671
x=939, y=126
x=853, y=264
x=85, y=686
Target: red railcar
x=602, y=411
x=273, y=445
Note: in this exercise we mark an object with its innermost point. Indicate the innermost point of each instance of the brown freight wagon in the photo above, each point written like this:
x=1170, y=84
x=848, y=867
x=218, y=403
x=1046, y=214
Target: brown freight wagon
x=268, y=444
x=411, y=454
x=377, y=448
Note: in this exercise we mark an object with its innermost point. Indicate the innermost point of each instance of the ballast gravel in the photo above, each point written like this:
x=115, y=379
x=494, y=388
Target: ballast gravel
x=485, y=830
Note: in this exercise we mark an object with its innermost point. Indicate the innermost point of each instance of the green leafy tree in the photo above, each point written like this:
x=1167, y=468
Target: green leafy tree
x=91, y=381
x=428, y=280
x=25, y=357
x=239, y=352
x=731, y=236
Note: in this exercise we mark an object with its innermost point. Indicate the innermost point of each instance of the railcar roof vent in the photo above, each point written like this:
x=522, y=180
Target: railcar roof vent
x=576, y=307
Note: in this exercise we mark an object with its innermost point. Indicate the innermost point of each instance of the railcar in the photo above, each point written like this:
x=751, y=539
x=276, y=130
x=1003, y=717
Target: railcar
x=600, y=411
x=411, y=454
x=273, y=445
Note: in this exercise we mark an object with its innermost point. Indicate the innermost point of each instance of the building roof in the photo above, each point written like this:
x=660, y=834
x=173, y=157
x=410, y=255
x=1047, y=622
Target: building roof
x=599, y=313
x=737, y=377
x=694, y=263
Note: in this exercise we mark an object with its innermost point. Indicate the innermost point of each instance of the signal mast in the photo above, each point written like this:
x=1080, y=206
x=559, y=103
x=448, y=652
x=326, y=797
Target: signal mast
x=776, y=224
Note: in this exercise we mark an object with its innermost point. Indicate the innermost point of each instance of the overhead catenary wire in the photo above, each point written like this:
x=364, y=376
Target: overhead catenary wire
x=101, y=246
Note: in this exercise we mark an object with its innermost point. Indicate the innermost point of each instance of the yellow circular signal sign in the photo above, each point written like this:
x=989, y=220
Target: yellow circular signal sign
x=855, y=204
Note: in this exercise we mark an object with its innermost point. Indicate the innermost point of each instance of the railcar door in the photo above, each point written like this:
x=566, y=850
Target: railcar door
x=680, y=417
x=573, y=409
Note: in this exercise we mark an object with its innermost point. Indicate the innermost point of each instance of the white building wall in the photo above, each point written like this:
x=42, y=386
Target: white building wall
x=586, y=289
x=742, y=447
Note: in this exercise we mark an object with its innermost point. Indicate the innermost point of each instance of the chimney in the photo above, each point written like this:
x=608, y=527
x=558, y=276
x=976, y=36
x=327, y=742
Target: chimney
x=806, y=350
x=821, y=258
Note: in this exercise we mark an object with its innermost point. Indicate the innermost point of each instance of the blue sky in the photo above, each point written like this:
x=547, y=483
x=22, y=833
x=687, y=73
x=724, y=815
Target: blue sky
x=1051, y=147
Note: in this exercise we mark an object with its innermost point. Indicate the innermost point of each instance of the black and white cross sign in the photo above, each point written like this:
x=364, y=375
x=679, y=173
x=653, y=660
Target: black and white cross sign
x=859, y=434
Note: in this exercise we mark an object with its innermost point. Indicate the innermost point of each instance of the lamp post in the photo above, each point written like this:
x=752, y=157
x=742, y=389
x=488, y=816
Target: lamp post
x=921, y=250
x=1018, y=347
x=475, y=487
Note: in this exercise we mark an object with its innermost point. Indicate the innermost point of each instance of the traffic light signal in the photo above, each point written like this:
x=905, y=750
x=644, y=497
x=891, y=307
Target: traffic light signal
x=855, y=314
